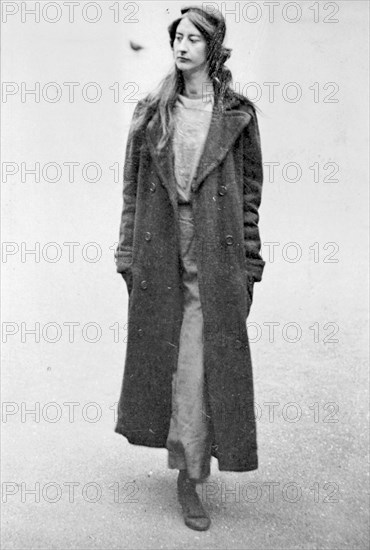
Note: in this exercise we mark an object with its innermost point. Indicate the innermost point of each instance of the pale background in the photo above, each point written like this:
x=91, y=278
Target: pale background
x=307, y=292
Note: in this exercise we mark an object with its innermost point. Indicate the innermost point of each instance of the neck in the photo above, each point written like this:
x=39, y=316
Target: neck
x=196, y=85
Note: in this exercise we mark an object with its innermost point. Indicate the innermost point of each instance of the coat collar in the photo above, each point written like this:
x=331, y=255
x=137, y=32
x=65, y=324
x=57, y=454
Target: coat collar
x=224, y=129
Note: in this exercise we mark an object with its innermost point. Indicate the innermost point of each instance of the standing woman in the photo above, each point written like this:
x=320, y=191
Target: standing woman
x=189, y=251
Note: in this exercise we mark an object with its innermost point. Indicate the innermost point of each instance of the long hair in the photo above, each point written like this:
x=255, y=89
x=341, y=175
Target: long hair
x=161, y=101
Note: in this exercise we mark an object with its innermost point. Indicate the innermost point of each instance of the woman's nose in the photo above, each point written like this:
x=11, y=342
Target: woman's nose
x=182, y=45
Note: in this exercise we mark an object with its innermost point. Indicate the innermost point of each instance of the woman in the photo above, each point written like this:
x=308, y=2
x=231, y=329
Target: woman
x=189, y=251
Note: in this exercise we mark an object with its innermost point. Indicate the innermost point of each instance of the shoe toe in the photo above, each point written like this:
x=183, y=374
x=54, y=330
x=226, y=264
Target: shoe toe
x=198, y=524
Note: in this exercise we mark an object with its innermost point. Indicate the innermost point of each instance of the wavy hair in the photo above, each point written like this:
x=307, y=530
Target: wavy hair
x=161, y=101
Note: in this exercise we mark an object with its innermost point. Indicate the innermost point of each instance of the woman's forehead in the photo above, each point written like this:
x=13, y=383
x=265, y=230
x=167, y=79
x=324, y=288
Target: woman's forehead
x=187, y=26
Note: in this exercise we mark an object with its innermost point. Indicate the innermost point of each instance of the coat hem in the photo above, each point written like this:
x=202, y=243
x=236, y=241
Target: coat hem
x=142, y=441
x=249, y=468
x=222, y=467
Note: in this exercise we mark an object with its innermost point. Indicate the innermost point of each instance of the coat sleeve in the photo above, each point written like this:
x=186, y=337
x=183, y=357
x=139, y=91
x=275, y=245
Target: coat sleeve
x=123, y=255
x=253, y=179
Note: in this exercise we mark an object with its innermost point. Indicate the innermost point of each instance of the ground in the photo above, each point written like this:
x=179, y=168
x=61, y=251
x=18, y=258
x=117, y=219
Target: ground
x=309, y=491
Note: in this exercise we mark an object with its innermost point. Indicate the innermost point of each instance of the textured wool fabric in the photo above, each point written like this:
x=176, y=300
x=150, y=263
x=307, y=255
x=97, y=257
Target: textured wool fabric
x=189, y=439
x=225, y=199
x=192, y=121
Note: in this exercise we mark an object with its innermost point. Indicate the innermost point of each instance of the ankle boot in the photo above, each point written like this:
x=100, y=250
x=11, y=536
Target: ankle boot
x=195, y=516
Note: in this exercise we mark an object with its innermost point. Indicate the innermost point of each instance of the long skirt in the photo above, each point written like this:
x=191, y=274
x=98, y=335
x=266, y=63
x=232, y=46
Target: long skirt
x=189, y=437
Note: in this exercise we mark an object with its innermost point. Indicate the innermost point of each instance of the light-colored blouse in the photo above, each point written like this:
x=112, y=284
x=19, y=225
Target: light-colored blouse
x=192, y=122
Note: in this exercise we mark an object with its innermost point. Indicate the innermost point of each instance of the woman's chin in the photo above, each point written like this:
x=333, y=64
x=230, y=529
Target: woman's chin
x=187, y=69
x=182, y=66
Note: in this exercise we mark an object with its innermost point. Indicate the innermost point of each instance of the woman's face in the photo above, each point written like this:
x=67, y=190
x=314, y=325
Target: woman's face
x=189, y=47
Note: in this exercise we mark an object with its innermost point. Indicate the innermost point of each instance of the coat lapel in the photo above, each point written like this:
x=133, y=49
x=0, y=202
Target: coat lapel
x=163, y=160
x=223, y=131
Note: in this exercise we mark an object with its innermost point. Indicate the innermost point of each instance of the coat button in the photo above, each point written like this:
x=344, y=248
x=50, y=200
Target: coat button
x=222, y=190
x=229, y=239
x=144, y=285
x=238, y=344
x=152, y=186
x=140, y=332
x=147, y=236
x=193, y=187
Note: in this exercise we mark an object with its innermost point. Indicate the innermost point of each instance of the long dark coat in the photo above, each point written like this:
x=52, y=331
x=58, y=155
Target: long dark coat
x=226, y=194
